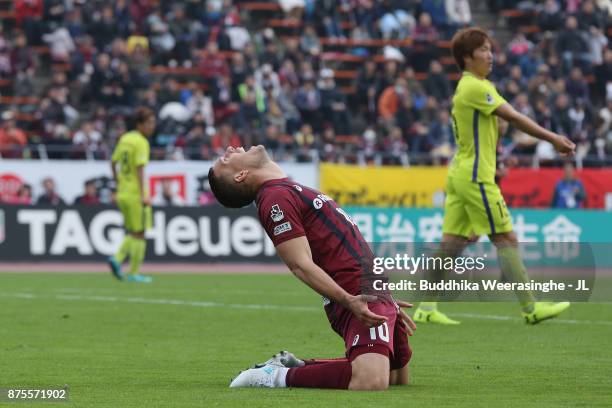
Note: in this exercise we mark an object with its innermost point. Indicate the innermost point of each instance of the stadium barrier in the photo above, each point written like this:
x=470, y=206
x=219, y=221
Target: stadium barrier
x=423, y=186
x=188, y=179
x=179, y=234
x=215, y=234
x=425, y=225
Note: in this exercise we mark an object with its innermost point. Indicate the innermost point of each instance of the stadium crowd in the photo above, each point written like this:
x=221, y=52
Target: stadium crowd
x=218, y=73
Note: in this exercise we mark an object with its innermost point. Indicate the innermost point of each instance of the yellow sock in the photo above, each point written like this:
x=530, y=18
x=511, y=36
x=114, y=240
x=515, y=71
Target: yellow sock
x=124, y=249
x=137, y=254
x=512, y=267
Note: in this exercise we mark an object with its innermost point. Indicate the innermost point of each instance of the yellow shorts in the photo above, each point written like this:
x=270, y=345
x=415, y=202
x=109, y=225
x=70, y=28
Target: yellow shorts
x=474, y=208
x=136, y=217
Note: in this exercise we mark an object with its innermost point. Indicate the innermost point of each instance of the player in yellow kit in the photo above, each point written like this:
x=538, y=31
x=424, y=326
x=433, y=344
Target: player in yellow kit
x=474, y=203
x=128, y=163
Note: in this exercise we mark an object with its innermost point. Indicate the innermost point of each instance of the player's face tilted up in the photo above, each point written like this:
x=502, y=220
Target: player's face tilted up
x=306, y=225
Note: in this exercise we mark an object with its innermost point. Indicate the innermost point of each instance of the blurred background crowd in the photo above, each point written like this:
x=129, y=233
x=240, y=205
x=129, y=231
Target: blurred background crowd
x=354, y=81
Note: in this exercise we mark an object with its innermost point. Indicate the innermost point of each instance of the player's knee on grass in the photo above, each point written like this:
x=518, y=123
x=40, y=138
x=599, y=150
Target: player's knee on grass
x=370, y=372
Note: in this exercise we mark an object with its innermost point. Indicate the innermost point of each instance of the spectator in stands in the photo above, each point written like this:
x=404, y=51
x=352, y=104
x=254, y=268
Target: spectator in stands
x=576, y=85
x=293, y=9
x=396, y=24
x=309, y=41
x=540, y=85
x=329, y=150
x=274, y=113
x=12, y=138
x=562, y=123
x=23, y=196
x=521, y=104
x=367, y=85
x=604, y=127
x=597, y=44
x=425, y=37
x=197, y=142
x=290, y=112
x=199, y=102
x=49, y=196
x=305, y=142
x=396, y=148
x=5, y=55
x=181, y=30
x=28, y=15
x=581, y=120
x=590, y=16
x=572, y=45
x=267, y=78
x=569, y=191
x=333, y=104
x=436, y=12
x=458, y=13
x=308, y=102
x=104, y=27
x=550, y=17
x=224, y=138
x=603, y=77
x=389, y=101
x=437, y=84
x=212, y=64
x=239, y=68
x=167, y=195
x=89, y=196
x=441, y=136
x=22, y=56
x=88, y=139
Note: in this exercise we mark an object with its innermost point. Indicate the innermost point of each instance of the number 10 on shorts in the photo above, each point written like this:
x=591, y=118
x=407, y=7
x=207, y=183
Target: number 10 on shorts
x=383, y=332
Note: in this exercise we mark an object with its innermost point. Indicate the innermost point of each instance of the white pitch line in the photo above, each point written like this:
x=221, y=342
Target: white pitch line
x=164, y=302
x=177, y=302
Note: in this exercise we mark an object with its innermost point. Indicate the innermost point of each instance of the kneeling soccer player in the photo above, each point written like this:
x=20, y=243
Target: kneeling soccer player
x=323, y=247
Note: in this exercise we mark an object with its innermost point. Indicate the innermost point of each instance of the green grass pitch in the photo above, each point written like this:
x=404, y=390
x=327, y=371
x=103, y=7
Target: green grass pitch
x=179, y=341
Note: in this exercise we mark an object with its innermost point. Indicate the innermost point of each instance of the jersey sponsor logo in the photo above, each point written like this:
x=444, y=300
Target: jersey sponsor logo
x=284, y=227
x=490, y=99
x=276, y=213
x=298, y=188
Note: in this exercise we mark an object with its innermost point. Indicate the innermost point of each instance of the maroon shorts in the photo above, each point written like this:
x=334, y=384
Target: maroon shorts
x=390, y=338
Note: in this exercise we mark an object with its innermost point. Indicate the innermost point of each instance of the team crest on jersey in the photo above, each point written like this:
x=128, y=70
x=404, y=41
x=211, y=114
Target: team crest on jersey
x=317, y=203
x=298, y=188
x=284, y=227
x=490, y=99
x=276, y=213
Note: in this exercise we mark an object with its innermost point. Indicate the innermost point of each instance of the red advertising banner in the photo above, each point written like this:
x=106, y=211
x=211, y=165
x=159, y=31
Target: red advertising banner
x=534, y=188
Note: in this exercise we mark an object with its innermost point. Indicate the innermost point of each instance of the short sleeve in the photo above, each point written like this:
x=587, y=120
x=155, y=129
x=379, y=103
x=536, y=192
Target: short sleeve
x=484, y=97
x=280, y=215
x=142, y=153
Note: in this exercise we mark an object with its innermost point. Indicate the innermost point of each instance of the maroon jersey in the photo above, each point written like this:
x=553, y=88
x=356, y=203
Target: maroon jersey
x=288, y=210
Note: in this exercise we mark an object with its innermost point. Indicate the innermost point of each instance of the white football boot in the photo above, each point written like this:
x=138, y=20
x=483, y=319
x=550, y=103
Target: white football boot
x=269, y=376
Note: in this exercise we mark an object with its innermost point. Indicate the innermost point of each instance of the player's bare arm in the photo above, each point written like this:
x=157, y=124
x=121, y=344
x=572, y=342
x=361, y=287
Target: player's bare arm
x=561, y=143
x=297, y=256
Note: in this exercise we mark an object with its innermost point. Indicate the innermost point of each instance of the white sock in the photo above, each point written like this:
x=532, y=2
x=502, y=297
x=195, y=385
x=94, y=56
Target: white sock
x=280, y=379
